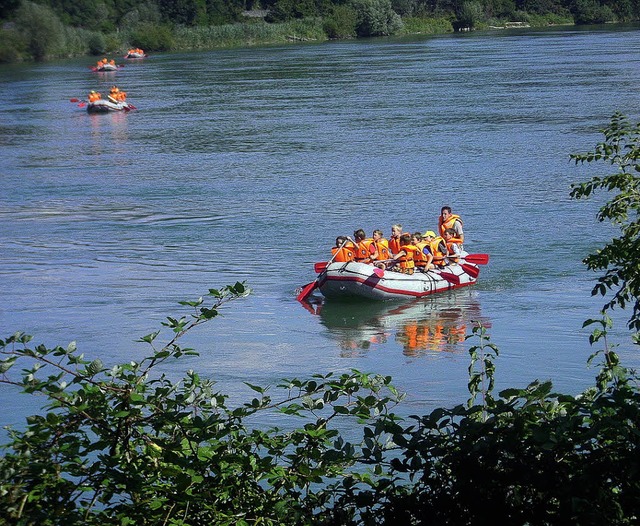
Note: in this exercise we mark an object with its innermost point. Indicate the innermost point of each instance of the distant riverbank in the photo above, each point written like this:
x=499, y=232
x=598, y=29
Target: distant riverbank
x=41, y=36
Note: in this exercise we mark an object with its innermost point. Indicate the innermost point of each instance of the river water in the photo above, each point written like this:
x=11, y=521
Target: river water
x=246, y=164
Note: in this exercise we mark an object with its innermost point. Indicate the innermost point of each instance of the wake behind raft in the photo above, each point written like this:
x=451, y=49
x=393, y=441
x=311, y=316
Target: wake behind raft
x=360, y=280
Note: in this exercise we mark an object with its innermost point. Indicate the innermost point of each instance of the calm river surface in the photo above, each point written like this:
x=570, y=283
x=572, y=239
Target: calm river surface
x=246, y=164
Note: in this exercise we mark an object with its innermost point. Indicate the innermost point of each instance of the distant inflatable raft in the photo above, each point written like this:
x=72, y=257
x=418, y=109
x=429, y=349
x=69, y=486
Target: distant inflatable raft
x=106, y=106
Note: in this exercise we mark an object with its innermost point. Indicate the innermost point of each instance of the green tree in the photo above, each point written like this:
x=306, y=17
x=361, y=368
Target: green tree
x=591, y=12
x=620, y=258
x=375, y=18
x=41, y=28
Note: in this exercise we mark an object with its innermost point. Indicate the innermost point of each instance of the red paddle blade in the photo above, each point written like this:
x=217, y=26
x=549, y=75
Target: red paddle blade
x=477, y=259
x=471, y=270
x=81, y=105
x=74, y=100
x=451, y=278
x=319, y=267
x=378, y=272
x=306, y=291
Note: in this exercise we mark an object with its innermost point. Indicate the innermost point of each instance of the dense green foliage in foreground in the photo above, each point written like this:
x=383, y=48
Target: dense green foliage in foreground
x=39, y=29
x=126, y=444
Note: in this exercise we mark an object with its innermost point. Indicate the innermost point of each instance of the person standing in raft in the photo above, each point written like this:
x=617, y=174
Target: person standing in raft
x=366, y=251
x=449, y=220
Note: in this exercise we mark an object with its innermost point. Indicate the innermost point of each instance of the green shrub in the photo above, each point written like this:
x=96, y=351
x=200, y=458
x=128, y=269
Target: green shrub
x=375, y=18
x=341, y=23
x=41, y=29
x=13, y=46
x=152, y=38
x=592, y=12
x=417, y=25
x=96, y=43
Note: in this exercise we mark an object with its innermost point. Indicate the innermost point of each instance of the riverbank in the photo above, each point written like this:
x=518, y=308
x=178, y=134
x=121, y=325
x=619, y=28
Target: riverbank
x=25, y=40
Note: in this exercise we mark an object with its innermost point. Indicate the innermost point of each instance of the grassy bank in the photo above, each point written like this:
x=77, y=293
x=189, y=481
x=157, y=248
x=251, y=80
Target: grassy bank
x=36, y=35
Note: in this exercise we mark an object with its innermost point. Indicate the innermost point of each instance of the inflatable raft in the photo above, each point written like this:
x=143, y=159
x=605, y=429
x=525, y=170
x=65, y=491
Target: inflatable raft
x=105, y=68
x=106, y=106
x=359, y=280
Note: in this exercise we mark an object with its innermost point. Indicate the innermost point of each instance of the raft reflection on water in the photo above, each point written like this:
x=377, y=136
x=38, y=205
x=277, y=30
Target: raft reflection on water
x=435, y=324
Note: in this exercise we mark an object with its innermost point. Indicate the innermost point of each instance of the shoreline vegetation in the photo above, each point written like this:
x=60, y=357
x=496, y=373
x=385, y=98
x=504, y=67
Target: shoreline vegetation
x=59, y=29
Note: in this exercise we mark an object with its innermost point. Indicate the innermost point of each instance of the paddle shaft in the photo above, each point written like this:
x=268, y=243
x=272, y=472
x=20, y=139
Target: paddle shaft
x=309, y=288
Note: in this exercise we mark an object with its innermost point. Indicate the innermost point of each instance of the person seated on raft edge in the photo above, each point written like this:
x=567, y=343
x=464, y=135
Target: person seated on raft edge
x=394, y=240
x=94, y=96
x=343, y=251
x=382, y=246
x=422, y=258
x=366, y=249
x=437, y=248
x=404, y=258
x=454, y=249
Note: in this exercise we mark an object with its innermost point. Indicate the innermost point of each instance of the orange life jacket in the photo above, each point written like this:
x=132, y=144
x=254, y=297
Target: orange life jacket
x=394, y=244
x=442, y=226
x=383, y=249
x=363, y=250
x=94, y=97
x=420, y=257
x=438, y=255
x=343, y=255
x=406, y=261
x=451, y=246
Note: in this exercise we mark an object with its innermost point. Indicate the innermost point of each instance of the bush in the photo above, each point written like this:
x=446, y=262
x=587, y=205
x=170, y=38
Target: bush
x=152, y=38
x=470, y=15
x=341, y=23
x=97, y=43
x=13, y=46
x=375, y=18
x=592, y=12
x=41, y=29
x=415, y=25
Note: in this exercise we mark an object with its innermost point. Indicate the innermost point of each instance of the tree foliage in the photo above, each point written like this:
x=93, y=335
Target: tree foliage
x=620, y=258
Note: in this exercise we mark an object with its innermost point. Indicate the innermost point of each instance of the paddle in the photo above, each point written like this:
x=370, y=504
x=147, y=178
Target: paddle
x=451, y=278
x=474, y=272
x=476, y=259
x=310, y=287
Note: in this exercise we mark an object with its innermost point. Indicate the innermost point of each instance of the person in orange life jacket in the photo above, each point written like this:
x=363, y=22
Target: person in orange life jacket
x=342, y=251
x=382, y=246
x=94, y=96
x=453, y=248
x=449, y=220
x=437, y=249
x=420, y=258
x=404, y=258
x=394, y=240
x=366, y=251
